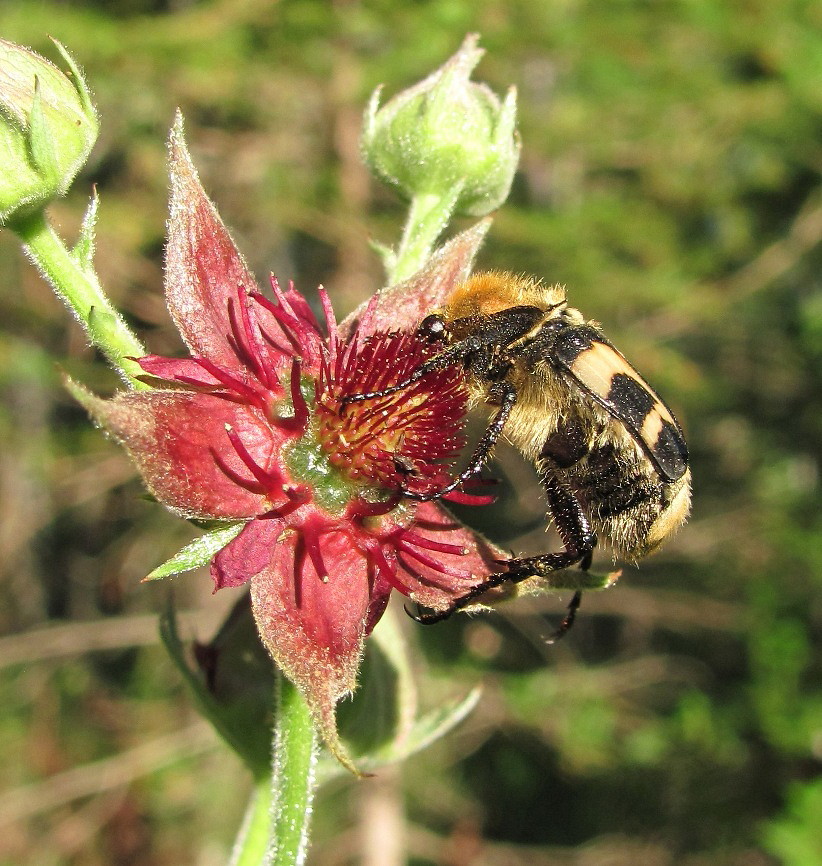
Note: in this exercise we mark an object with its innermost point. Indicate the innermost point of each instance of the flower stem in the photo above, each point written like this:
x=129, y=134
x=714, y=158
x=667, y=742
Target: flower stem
x=427, y=217
x=253, y=839
x=293, y=781
x=76, y=284
x=275, y=828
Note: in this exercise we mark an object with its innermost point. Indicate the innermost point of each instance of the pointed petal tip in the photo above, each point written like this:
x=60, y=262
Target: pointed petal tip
x=176, y=135
x=404, y=304
x=94, y=405
x=315, y=631
x=325, y=720
x=179, y=158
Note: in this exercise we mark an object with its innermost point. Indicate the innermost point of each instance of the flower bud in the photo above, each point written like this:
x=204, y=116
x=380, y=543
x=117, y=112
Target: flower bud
x=446, y=136
x=47, y=129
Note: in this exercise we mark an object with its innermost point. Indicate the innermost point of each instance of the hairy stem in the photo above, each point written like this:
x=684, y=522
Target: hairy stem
x=293, y=782
x=277, y=821
x=253, y=839
x=427, y=217
x=77, y=286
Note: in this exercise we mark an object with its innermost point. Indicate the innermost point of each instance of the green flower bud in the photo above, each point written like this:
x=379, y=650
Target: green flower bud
x=444, y=134
x=47, y=129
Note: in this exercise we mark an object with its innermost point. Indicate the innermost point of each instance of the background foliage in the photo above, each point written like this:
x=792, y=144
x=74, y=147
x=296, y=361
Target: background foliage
x=670, y=178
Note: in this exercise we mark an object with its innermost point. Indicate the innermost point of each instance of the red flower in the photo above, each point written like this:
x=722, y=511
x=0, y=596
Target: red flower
x=250, y=427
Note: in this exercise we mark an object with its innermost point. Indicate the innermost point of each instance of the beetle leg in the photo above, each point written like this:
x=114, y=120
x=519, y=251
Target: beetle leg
x=574, y=529
x=504, y=394
x=448, y=357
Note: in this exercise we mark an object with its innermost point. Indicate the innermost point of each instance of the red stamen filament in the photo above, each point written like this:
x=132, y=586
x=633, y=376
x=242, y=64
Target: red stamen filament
x=296, y=497
x=431, y=544
x=311, y=540
x=251, y=486
x=288, y=322
x=468, y=498
x=330, y=321
x=432, y=563
x=386, y=569
x=267, y=479
x=232, y=383
x=246, y=335
x=298, y=421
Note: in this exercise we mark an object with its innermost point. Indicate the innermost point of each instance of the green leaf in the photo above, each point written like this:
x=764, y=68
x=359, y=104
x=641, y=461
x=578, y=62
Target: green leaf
x=569, y=579
x=198, y=552
x=83, y=250
x=233, y=684
x=425, y=730
x=383, y=707
x=387, y=255
x=83, y=93
x=41, y=142
x=795, y=836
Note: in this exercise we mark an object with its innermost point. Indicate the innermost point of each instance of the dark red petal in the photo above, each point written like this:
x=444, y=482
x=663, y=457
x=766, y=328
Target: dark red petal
x=437, y=589
x=179, y=442
x=204, y=270
x=314, y=630
x=380, y=595
x=403, y=306
x=248, y=554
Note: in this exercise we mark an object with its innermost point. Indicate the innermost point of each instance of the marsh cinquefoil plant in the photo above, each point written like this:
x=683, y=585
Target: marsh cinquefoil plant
x=302, y=497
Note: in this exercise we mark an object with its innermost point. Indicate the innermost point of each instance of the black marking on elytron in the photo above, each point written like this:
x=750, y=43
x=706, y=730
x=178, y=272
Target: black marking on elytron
x=670, y=451
x=632, y=400
x=627, y=400
x=570, y=343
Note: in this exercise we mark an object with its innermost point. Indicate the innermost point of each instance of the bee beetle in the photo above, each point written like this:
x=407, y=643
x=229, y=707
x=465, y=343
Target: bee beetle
x=610, y=454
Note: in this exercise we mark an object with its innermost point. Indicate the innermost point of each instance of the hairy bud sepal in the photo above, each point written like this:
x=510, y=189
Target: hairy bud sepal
x=48, y=126
x=446, y=136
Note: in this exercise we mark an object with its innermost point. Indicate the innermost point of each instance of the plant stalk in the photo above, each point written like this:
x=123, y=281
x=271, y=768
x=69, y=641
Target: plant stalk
x=253, y=839
x=293, y=782
x=77, y=286
x=428, y=216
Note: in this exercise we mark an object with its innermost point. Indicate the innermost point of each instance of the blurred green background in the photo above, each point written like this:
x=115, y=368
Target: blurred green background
x=671, y=178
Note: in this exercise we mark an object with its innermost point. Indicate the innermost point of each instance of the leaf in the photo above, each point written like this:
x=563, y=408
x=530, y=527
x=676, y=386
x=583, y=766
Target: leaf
x=571, y=579
x=425, y=731
x=386, y=254
x=41, y=142
x=233, y=685
x=77, y=79
x=83, y=251
x=383, y=707
x=428, y=729
x=198, y=552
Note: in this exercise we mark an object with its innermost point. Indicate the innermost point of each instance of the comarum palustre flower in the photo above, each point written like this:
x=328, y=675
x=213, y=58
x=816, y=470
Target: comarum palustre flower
x=251, y=427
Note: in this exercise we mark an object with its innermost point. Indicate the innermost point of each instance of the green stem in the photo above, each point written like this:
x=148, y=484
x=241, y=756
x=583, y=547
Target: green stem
x=253, y=839
x=80, y=291
x=275, y=829
x=427, y=217
x=293, y=783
